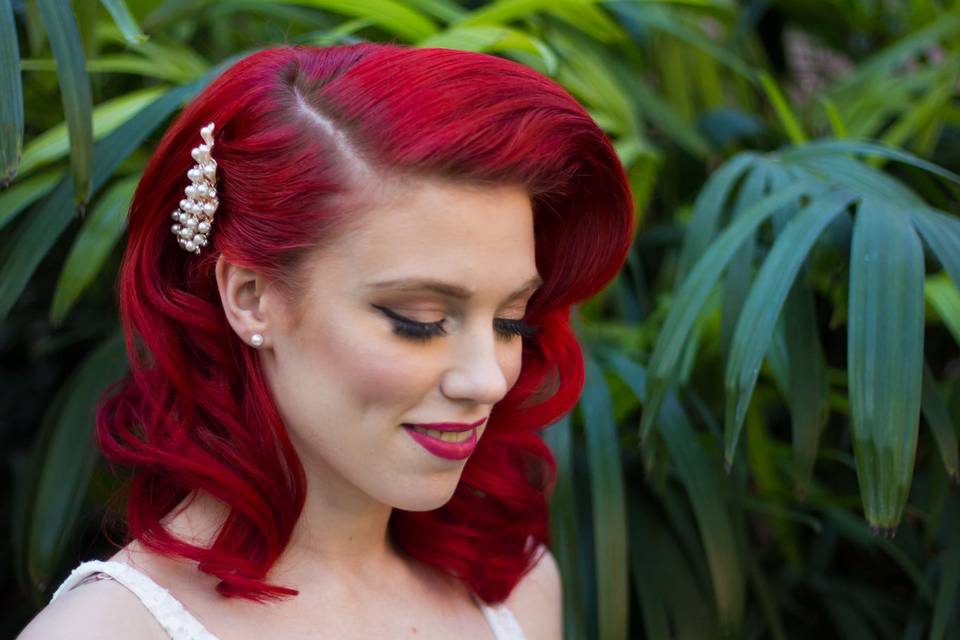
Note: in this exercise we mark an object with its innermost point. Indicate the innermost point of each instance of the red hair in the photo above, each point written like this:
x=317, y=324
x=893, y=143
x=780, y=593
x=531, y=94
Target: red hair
x=298, y=131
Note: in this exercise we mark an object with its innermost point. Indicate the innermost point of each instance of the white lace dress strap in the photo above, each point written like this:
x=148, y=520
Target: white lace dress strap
x=501, y=620
x=175, y=620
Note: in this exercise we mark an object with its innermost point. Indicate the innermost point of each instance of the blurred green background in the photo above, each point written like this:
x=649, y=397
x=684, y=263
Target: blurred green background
x=766, y=446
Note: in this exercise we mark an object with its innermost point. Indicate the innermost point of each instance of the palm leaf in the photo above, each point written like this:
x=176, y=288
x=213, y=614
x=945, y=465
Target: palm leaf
x=94, y=242
x=938, y=418
x=75, y=89
x=125, y=21
x=606, y=490
x=563, y=525
x=807, y=382
x=492, y=38
x=584, y=16
x=884, y=357
x=739, y=274
x=394, y=17
x=704, y=489
x=762, y=308
x=53, y=143
x=942, y=233
x=11, y=98
x=716, y=530
x=33, y=239
x=25, y=192
x=944, y=297
x=66, y=456
x=829, y=147
x=693, y=293
x=946, y=603
x=707, y=209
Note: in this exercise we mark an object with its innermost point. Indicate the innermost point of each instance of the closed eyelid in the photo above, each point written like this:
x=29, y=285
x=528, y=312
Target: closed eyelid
x=398, y=316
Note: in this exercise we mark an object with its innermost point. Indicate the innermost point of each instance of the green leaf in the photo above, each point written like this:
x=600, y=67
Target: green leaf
x=944, y=297
x=827, y=147
x=649, y=16
x=884, y=357
x=444, y=10
x=854, y=530
x=946, y=603
x=935, y=411
x=942, y=233
x=586, y=71
x=708, y=207
x=664, y=581
x=132, y=63
x=739, y=274
x=11, y=98
x=924, y=110
x=881, y=63
x=169, y=54
x=563, y=525
x=492, y=38
x=861, y=178
x=703, y=484
x=693, y=292
x=25, y=192
x=758, y=319
x=93, y=244
x=657, y=110
x=53, y=143
x=391, y=16
x=791, y=125
x=66, y=456
x=609, y=510
x=807, y=382
x=75, y=90
x=33, y=239
x=585, y=16
x=121, y=15
x=833, y=115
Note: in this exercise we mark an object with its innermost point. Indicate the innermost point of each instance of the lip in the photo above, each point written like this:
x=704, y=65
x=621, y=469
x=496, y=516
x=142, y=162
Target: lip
x=448, y=450
x=446, y=426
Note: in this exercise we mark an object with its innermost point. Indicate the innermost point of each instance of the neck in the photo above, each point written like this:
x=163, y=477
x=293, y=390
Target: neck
x=354, y=547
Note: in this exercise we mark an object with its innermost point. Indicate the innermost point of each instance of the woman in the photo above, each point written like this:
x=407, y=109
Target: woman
x=377, y=244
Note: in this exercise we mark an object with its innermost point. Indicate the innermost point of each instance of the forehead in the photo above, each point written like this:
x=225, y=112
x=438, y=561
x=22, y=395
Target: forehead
x=474, y=235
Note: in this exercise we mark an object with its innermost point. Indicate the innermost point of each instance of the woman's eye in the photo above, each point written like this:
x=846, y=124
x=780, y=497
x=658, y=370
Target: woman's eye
x=423, y=331
x=508, y=328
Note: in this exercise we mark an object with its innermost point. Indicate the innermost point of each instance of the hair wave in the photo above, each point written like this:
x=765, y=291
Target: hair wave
x=299, y=132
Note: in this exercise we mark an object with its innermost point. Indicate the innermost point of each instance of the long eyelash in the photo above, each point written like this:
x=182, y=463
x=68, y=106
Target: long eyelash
x=510, y=328
x=420, y=331
x=424, y=331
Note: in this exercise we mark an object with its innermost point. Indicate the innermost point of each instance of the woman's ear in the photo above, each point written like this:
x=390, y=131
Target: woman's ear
x=242, y=293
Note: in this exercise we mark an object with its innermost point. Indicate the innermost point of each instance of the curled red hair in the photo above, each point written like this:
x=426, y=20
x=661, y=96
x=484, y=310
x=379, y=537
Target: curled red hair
x=299, y=130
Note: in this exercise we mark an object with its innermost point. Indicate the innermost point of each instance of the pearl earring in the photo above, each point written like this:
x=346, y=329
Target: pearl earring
x=256, y=339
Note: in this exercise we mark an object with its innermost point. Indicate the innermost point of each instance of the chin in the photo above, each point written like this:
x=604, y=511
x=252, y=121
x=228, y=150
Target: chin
x=425, y=501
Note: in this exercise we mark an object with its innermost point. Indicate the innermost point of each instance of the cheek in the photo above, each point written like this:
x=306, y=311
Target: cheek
x=373, y=369
x=388, y=376
x=513, y=364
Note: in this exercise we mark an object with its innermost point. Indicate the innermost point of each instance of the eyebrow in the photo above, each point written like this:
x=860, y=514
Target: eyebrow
x=448, y=288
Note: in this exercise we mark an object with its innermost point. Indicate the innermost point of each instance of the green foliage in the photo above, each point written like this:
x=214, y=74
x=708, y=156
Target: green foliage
x=793, y=291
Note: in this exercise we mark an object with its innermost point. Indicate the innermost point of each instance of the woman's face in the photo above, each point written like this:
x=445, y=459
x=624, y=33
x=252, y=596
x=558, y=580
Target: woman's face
x=344, y=371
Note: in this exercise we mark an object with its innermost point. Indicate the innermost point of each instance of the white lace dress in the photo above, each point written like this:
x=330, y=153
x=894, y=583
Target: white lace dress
x=180, y=625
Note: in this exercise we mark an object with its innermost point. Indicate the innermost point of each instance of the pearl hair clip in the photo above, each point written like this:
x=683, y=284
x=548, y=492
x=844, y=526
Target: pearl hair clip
x=195, y=215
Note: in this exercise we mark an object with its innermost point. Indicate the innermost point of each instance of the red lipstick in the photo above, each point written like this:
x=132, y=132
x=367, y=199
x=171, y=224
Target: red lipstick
x=458, y=450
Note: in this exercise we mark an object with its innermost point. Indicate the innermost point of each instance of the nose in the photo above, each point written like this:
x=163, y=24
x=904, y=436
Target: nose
x=476, y=372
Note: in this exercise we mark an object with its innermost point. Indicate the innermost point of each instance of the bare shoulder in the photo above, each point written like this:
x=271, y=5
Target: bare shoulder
x=101, y=610
x=536, y=601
